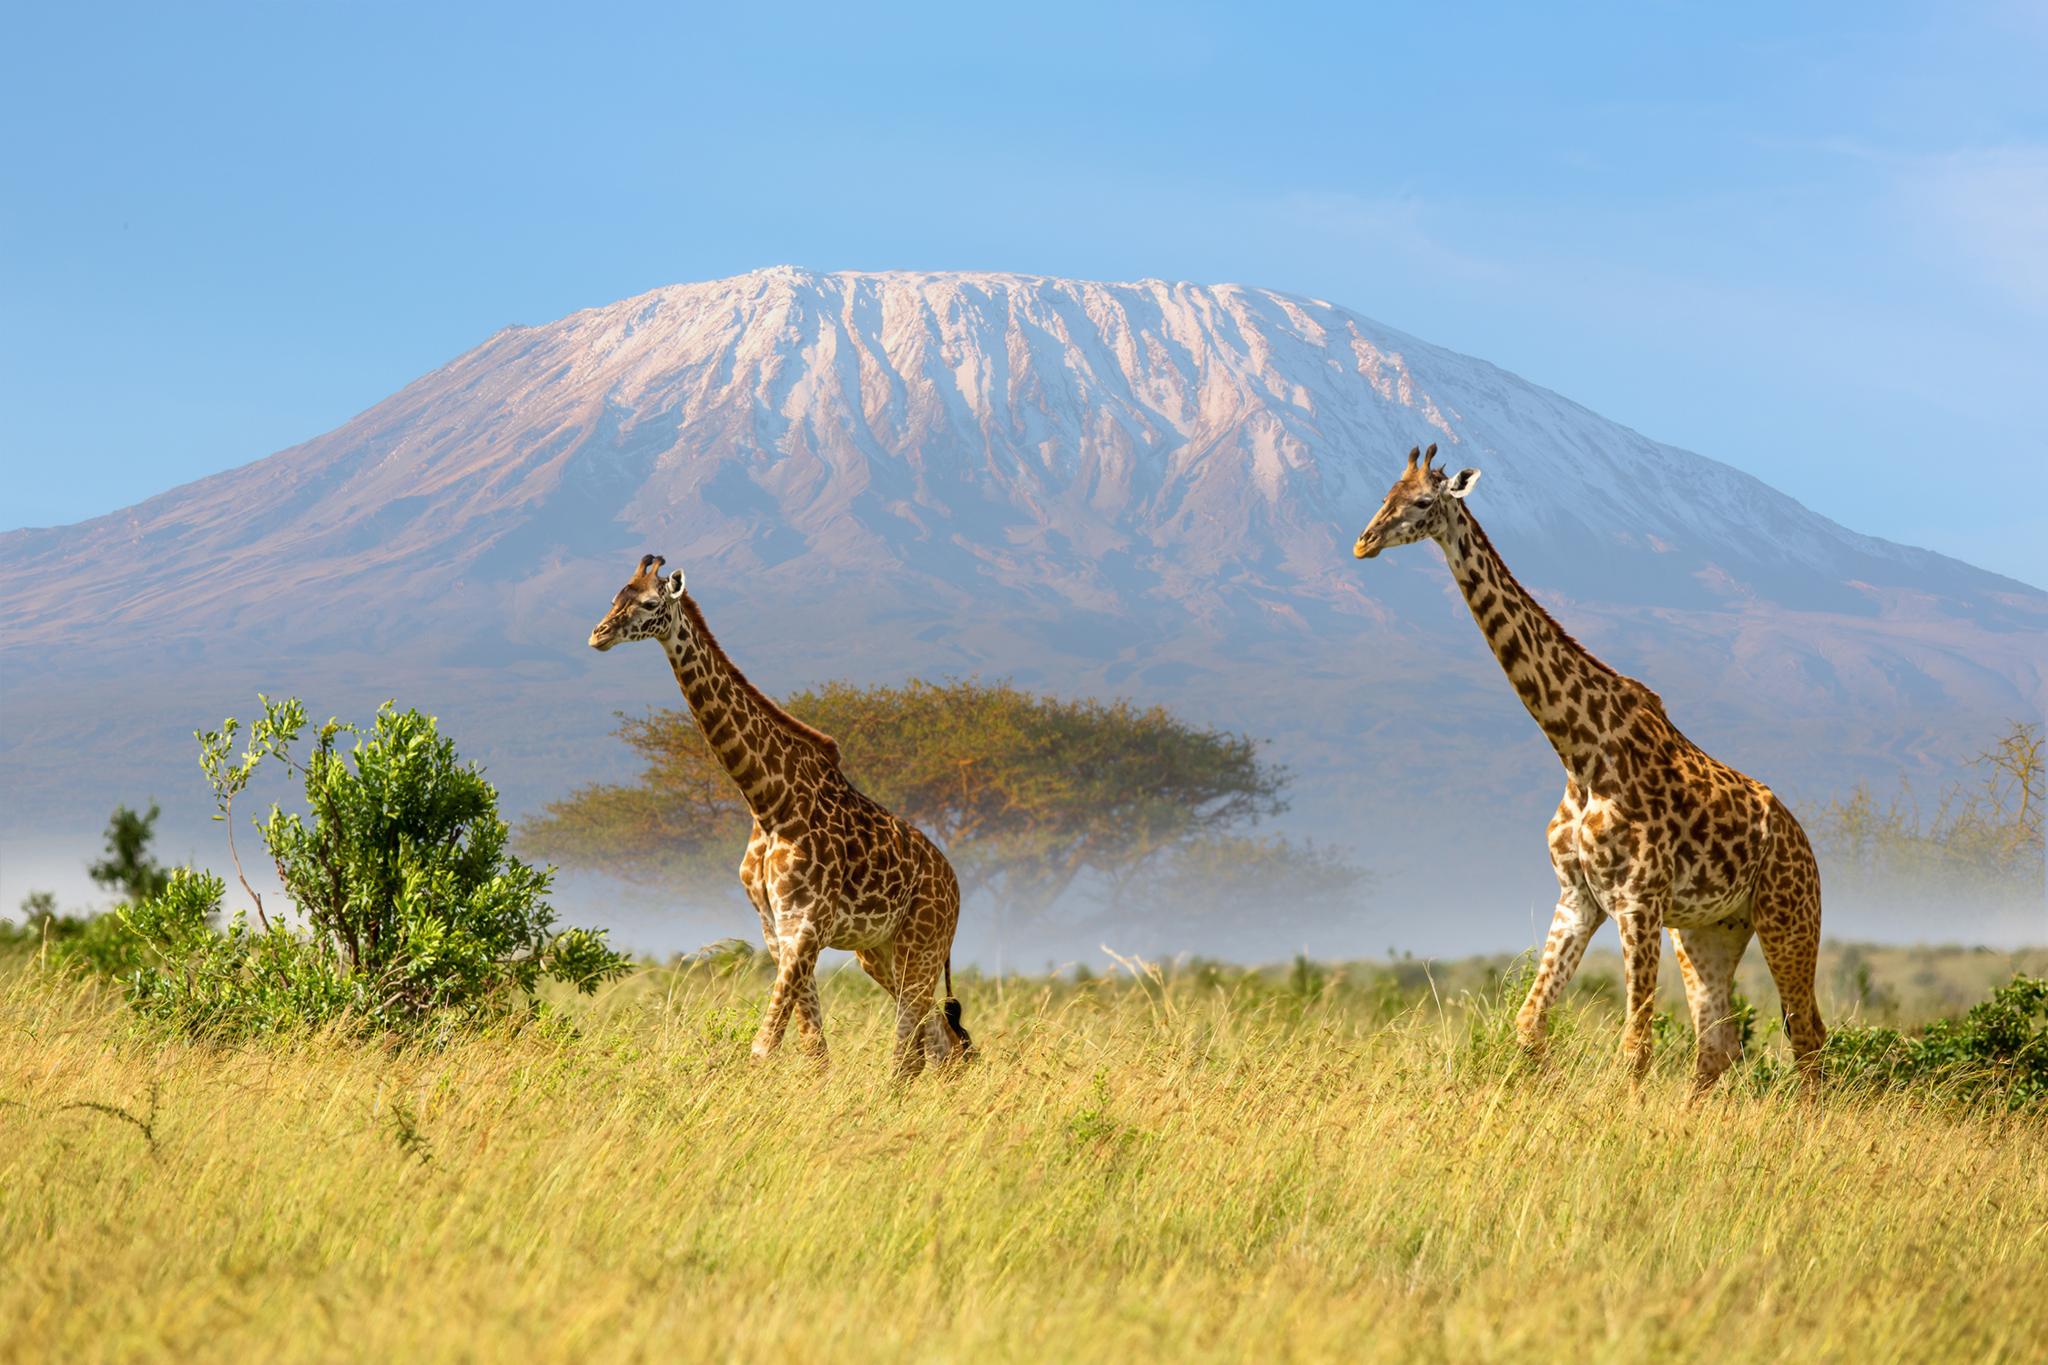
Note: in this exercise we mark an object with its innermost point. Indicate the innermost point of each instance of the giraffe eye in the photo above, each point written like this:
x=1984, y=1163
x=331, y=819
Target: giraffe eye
x=1424, y=504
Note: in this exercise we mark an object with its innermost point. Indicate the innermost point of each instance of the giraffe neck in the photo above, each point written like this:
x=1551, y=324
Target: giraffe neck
x=1571, y=694
x=778, y=763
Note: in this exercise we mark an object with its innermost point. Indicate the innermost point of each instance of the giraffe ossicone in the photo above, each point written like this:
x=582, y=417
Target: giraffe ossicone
x=1651, y=831
x=825, y=866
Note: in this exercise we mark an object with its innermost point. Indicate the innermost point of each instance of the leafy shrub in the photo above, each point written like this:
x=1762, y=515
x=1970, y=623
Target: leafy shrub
x=1998, y=1051
x=413, y=911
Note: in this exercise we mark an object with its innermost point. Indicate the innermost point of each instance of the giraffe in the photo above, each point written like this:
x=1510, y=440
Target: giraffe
x=1651, y=830
x=825, y=866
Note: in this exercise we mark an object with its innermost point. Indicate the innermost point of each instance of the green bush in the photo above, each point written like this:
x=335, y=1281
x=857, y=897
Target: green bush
x=412, y=911
x=98, y=943
x=1997, y=1052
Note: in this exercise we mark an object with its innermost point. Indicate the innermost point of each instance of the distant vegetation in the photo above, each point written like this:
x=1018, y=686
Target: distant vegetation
x=102, y=942
x=1977, y=839
x=1996, y=1052
x=1029, y=795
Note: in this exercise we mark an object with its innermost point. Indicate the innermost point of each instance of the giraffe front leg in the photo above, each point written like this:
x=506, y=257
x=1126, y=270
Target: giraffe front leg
x=810, y=1015
x=1571, y=929
x=1641, y=921
x=754, y=881
x=796, y=972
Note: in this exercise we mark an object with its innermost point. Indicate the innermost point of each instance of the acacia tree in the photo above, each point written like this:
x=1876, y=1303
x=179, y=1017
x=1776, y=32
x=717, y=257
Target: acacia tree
x=1028, y=793
x=1985, y=837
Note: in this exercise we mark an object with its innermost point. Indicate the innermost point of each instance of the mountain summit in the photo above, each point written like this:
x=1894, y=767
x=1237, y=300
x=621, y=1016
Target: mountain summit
x=1147, y=487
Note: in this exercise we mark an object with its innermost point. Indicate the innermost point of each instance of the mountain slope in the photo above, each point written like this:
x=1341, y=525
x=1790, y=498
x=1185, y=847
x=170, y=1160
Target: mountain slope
x=1144, y=487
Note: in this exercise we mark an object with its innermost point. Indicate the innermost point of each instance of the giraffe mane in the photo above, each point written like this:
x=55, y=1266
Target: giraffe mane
x=785, y=721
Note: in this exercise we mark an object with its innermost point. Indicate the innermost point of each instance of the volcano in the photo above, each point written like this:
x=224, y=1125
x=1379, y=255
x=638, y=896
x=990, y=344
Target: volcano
x=1146, y=489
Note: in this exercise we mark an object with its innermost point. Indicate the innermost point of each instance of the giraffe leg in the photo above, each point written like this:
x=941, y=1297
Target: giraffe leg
x=810, y=1015
x=1787, y=917
x=753, y=881
x=1571, y=928
x=796, y=971
x=1707, y=957
x=911, y=974
x=941, y=1044
x=915, y=1011
x=888, y=966
x=1641, y=921
x=930, y=939
x=810, y=1018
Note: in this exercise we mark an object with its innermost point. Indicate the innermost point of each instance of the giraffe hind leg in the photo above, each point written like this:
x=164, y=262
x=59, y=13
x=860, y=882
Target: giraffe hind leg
x=891, y=968
x=1786, y=913
x=1788, y=930
x=922, y=1032
x=1707, y=958
x=913, y=1017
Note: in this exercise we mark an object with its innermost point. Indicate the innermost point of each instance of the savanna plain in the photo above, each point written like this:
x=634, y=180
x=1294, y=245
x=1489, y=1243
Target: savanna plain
x=1186, y=1162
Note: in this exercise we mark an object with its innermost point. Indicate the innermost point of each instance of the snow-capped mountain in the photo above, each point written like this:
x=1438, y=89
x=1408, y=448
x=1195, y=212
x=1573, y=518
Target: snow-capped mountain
x=1146, y=487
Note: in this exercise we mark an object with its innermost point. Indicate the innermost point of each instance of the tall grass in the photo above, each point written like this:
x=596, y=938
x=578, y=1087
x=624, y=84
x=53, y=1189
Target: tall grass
x=1197, y=1167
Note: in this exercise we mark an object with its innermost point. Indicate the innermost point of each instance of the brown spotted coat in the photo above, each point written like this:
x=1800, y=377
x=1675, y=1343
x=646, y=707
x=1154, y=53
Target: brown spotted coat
x=1651, y=831
x=825, y=867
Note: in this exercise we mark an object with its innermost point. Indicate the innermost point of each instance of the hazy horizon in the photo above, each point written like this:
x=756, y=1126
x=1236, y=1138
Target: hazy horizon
x=1504, y=889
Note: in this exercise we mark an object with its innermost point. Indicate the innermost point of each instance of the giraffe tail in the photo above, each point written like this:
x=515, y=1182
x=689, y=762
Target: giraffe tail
x=952, y=1008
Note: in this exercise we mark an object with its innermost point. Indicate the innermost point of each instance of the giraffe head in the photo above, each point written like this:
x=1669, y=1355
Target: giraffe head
x=649, y=607
x=1419, y=505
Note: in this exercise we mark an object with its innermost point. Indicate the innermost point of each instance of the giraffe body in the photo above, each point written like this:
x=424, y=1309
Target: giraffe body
x=825, y=866
x=1652, y=831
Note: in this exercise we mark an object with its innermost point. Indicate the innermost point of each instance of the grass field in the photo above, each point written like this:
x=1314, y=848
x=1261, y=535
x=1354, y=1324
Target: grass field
x=1306, y=1166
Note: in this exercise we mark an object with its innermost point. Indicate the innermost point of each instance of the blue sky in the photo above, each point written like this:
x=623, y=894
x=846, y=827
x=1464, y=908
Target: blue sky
x=1809, y=240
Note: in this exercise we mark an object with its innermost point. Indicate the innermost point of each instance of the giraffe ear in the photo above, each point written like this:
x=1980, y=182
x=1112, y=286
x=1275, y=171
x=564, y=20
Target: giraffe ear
x=1461, y=483
x=675, y=584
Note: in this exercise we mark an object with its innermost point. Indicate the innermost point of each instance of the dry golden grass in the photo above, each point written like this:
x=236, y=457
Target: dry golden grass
x=1127, y=1173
